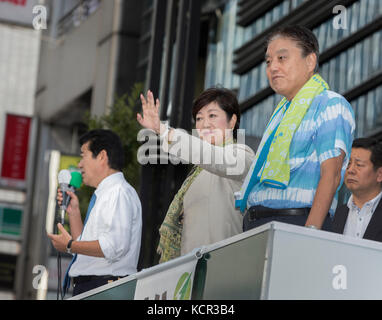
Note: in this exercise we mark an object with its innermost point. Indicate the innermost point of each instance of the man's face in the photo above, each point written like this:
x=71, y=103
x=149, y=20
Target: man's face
x=361, y=178
x=287, y=69
x=89, y=166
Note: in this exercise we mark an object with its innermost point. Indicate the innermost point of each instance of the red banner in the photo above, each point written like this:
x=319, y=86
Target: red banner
x=15, y=151
x=16, y=2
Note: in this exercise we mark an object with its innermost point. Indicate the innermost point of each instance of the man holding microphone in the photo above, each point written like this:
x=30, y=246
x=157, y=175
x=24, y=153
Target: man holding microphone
x=106, y=245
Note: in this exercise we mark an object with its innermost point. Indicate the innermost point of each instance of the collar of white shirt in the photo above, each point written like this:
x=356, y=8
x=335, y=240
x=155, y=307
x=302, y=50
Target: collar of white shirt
x=108, y=182
x=371, y=204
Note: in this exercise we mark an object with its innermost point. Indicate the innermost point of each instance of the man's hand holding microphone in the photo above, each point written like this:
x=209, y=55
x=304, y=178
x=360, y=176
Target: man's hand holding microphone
x=68, y=202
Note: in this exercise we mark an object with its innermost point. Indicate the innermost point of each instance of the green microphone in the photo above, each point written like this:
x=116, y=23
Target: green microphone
x=76, y=179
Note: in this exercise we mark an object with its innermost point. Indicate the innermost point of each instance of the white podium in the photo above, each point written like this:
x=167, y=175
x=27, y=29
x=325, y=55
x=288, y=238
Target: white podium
x=282, y=261
x=274, y=261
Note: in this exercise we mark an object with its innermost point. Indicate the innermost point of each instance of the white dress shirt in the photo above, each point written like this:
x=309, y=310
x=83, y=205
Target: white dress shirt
x=116, y=222
x=359, y=218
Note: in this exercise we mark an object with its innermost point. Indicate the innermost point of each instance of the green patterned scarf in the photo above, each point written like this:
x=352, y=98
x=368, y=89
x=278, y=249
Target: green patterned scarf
x=172, y=226
x=276, y=170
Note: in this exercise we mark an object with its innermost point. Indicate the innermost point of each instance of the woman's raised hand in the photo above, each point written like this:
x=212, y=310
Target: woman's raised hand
x=150, y=118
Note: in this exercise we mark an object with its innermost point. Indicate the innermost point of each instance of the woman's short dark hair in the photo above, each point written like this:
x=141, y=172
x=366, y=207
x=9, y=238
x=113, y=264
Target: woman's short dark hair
x=305, y=39
x=374, y=146
x=226, y=100
x=101, y=139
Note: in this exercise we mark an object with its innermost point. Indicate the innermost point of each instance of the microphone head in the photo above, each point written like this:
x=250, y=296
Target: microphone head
x=64, y=176
x=76, y=179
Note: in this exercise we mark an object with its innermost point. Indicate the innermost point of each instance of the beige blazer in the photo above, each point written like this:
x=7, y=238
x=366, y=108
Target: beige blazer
x=209, y=205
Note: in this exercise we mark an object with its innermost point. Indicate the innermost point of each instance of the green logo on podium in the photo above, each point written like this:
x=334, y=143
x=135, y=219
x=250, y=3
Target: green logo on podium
x=183, y=288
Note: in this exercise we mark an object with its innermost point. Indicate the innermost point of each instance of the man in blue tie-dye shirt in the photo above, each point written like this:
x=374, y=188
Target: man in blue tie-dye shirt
x=318, y=148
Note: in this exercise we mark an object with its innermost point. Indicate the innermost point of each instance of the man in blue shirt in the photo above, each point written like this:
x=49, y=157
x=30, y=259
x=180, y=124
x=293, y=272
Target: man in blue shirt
x=301, y=160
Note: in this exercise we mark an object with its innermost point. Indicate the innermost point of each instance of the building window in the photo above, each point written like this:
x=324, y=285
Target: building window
x=74, y=13
x=355, y=65
x=368, y=113
x=224, y=40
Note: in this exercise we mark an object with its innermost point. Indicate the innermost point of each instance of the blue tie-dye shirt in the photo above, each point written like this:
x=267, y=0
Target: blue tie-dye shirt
x=327, y=128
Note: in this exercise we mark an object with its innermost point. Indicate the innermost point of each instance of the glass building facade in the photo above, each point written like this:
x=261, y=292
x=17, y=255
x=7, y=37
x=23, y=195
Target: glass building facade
x=351, y=58
x=223, y=41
